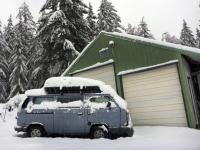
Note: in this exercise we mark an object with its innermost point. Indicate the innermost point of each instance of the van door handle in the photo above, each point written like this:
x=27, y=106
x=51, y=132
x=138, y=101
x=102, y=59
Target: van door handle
x=80, y=114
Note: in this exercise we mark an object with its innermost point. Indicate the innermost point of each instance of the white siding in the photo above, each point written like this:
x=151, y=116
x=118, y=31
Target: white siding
x=103, y=73
x=154, y=97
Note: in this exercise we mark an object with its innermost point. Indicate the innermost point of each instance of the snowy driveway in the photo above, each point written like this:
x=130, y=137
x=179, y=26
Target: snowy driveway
x=145, y=138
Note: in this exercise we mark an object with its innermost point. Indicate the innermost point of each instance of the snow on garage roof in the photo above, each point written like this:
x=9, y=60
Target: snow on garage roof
x=146, y=68
x=98, y=64
x=152, y=41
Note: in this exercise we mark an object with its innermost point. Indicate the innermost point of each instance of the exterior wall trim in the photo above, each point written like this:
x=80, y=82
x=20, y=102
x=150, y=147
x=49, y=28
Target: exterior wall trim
x=142, y=69
x=97, y=65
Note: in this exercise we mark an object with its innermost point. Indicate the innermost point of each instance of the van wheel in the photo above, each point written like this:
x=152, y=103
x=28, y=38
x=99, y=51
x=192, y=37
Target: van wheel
x=36, y=131
x=97, y=133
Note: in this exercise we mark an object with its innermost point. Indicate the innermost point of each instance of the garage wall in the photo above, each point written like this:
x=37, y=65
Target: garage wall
x=154, y=97
x=103, y=73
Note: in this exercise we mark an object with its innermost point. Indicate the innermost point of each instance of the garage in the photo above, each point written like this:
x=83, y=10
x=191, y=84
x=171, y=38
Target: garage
x=103, y=73
x=159, y=80
x=154, y=96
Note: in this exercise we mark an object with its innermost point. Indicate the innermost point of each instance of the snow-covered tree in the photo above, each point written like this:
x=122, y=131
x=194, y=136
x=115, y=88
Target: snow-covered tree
x=143, y=30
x=91, y=22
x=23, y=37
x=4, y=68
x=18, y=76
x=198, y=38
x=187, y=37
x=171, y=39
x=9, y=32
x=131, y=30
x=63, y=20
x=108, y=19
x=36, y=68
x=25, y=28
x=63, y=31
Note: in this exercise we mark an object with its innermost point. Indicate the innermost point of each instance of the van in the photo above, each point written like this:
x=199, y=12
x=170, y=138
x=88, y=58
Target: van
x=95, y=114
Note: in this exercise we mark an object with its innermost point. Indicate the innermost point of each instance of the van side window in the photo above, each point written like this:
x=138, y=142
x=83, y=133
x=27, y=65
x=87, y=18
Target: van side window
x=39, y=100
x=70, y=102
x=100, y=99
x=68, y=99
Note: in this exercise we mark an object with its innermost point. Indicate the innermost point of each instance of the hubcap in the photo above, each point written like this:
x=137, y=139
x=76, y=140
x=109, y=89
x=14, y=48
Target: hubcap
x=36, y=133
x=98, y=134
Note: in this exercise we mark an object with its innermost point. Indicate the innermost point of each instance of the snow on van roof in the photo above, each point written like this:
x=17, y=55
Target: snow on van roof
x=35, y=92
x=70, y=82
x=153, y=41
x=77, y=81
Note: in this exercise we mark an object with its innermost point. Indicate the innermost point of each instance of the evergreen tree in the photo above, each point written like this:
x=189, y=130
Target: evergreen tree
x=9, y=33
x=187, y=38
x=143, y=30
x=108, y=19
x=91, y=22
x=18, y=76
x=4, y=68
x=198, y=38
x=24, y=32
x=171, y=39
x=131, y=30
x=63, y=20
x=36, y=68
x=62, y=30
x=25, y=28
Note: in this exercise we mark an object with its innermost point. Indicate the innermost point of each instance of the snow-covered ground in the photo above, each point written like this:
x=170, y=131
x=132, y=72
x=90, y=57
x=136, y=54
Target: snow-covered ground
x=145, y=138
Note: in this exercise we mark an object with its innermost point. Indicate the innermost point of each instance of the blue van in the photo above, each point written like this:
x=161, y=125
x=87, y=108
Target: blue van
x=97, y=115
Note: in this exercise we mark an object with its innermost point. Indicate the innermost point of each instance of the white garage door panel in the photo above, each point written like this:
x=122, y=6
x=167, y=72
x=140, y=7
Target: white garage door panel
x=154, y=97
x=170, y=107
x=157, y=115
x=155, y=73
x=104, y=73
x=166, y=122
x=174, y=94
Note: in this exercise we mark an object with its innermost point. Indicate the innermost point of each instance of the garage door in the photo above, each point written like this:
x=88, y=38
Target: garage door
x=103, y=73
x=154, y=97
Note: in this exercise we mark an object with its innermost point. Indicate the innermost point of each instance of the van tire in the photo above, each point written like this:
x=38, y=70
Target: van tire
x=97, y=133
x=36, y=131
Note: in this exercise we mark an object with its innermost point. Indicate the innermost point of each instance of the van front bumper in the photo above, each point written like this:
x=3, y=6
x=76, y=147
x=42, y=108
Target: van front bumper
x=20, y=129
x=122, y=131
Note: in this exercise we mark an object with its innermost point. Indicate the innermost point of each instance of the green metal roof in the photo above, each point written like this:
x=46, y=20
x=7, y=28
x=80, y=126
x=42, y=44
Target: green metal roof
x=131, y=52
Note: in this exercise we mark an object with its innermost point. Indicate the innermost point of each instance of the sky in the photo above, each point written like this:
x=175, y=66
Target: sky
x=161, y=15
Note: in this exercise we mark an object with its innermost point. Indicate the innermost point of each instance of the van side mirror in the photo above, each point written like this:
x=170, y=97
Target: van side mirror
x=108, y=105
